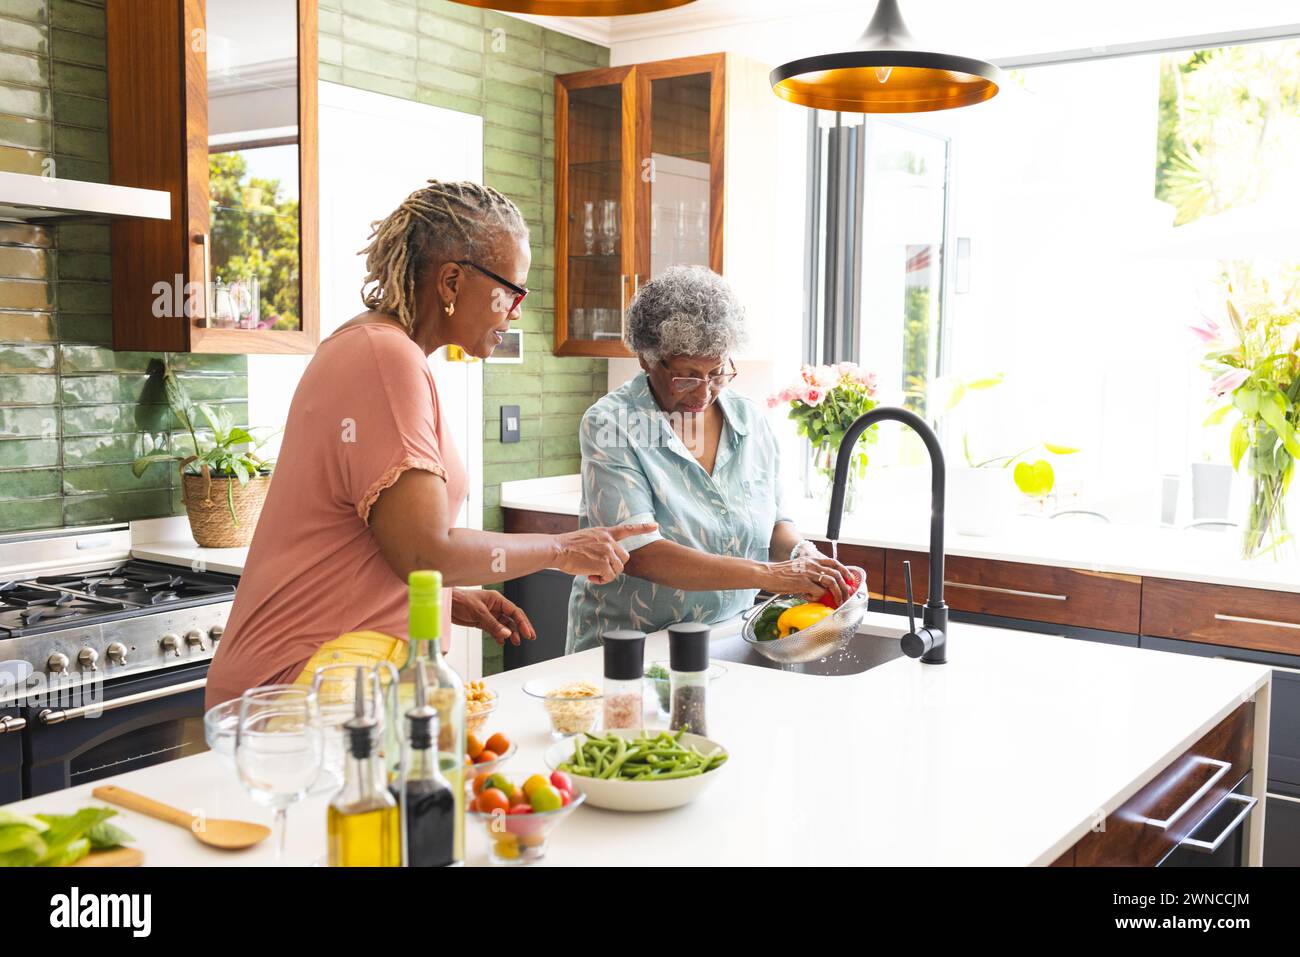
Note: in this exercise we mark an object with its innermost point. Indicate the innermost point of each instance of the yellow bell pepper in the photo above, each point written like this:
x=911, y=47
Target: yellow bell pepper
x=800, y=617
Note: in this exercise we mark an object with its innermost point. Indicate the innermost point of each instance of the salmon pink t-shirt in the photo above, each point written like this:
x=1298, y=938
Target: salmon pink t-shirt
x=365, y=411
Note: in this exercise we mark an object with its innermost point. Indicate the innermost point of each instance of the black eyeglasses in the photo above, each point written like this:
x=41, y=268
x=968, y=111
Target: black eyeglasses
x=684, y=384
x=519, y=291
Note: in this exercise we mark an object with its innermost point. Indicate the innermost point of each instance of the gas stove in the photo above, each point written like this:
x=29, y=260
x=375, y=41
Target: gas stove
x=64, y=619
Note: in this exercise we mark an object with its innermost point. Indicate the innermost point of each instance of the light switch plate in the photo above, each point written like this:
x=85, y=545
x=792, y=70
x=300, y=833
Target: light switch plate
x=509, y=423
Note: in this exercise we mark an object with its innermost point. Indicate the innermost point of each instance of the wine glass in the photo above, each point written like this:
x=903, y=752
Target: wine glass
x=608, y=226
x=589, y=225
x=335, y=687
x=278, y=751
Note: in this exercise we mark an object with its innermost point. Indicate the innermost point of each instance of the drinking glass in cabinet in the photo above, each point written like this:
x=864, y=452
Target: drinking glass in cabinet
x=589, y=226
x=608, y=226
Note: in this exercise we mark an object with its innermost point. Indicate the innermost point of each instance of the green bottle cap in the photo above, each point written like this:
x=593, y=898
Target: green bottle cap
x=426, y=605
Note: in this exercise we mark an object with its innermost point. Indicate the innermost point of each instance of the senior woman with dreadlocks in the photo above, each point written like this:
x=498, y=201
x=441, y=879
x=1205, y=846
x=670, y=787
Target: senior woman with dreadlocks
x=677, y=447
x=368, y=484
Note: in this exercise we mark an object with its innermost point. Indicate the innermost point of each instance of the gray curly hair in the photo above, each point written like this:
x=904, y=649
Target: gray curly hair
x=687, y=311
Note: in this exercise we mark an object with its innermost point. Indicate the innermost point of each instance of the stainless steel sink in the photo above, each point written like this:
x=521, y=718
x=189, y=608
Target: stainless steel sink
x=871, y=646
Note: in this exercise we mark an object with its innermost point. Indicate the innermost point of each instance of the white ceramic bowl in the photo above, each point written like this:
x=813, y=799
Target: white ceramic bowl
x=637, y=795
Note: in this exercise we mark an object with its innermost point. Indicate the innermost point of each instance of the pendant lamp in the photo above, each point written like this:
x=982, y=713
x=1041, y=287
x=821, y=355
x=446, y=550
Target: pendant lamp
x=885, y=72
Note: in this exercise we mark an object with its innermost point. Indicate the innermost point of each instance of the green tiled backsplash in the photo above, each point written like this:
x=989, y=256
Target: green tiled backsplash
x=73, y=413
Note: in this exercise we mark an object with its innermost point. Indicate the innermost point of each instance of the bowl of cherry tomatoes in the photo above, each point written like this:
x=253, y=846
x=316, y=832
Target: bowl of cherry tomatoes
x=521, y=818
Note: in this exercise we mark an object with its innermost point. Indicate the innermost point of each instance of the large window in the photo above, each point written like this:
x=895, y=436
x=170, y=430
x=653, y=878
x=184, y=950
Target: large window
x=1065, y=236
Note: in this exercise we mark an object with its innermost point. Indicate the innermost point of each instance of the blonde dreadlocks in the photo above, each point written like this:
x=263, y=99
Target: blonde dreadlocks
x=440, y=223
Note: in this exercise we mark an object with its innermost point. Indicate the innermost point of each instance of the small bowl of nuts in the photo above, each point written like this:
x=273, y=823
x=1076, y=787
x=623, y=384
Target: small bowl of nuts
x=572, y=702
x=480, y=702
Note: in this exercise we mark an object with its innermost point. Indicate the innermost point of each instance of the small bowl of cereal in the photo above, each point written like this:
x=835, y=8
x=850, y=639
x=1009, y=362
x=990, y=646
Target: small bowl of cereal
x=480, y=702
x=572, y=702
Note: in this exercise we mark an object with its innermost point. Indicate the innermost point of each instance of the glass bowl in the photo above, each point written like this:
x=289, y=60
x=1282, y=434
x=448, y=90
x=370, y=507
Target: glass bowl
x=478, y=712
x=569, y=714
x=221, y=727
x=473, y=770
x=521, y=838
x=660, y=690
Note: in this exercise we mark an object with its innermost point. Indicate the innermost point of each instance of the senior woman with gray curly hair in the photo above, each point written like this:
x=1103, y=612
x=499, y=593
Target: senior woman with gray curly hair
x=677, y=447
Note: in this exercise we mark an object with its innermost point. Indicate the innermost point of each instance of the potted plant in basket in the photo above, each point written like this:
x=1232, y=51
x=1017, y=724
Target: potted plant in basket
x=1255, y=362
x=223, y=479
x=824, y=402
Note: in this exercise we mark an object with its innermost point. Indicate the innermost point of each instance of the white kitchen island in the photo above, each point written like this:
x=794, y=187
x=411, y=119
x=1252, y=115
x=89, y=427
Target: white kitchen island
x=1006, y=755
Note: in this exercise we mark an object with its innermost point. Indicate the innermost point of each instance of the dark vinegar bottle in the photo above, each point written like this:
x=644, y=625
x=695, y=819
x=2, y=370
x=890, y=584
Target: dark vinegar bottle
x=427, y=803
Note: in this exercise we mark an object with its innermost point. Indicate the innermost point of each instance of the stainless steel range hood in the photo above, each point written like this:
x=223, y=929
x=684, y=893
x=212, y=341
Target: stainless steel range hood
x=41, y=199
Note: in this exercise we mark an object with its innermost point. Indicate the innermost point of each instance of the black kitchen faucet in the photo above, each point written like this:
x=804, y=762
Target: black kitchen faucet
x=930, y=641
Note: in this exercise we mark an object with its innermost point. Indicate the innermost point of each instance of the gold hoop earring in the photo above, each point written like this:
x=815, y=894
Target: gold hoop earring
x=450, y=309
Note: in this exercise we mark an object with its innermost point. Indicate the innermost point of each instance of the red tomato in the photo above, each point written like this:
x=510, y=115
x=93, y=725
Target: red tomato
x=828, y=599
x=485, y=756
x=521, y=809
x=492, y=799
x=480, y=782
x=565, y=796
x=561, y=781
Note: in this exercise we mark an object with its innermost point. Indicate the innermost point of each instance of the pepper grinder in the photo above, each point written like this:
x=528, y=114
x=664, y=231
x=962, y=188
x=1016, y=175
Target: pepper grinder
x=688, y=676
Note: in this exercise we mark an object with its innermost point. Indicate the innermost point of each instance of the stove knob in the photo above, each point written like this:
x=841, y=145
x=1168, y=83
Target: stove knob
x=57, y=663
x=116, y=653
x=216, y=631
x=88, y=658
x=171, y=642
x=194, y=638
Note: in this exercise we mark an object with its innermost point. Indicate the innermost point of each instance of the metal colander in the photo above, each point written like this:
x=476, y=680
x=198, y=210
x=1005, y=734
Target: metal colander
x=819, y=640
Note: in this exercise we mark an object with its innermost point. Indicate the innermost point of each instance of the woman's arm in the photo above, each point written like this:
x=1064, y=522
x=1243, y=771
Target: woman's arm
x=679, y=566
x=785, y=536
x=408, y=521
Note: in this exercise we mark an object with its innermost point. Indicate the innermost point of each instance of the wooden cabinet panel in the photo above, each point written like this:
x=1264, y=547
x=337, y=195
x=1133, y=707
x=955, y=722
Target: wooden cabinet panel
x=547, y=523
x=1063, y=596
x=200, y=282
x=1222, y=756
x=1222, y=615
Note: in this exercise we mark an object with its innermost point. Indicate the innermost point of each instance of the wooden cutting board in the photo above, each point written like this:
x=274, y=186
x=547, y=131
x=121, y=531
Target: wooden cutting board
x=113, y=857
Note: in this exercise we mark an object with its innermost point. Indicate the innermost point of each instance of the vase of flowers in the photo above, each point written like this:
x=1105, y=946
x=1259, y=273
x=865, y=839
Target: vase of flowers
x=824, y=401
x=1255, y=360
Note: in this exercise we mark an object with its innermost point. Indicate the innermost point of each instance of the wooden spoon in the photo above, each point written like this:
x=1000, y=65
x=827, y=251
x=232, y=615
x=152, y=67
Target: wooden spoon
x=215, y=832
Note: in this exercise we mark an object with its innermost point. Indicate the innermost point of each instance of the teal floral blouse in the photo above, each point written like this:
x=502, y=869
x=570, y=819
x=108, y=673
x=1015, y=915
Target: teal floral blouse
x=636, y=469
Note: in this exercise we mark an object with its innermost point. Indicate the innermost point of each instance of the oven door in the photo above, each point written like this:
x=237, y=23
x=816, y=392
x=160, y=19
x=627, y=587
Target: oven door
x=12, y=723
x=137, y=722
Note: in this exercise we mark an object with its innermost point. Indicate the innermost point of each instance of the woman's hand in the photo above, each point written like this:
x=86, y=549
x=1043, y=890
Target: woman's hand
x=493, y=612
x=810, y=575
x=596, y=552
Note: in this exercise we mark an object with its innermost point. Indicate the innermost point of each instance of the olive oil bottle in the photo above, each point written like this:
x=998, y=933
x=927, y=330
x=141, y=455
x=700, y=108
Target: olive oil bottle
x=445, y=692
x=364, y=828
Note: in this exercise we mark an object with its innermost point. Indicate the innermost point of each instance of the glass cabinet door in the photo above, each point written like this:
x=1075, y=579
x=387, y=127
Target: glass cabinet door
x=677, y=123
x=595, y=230
x=254, y=275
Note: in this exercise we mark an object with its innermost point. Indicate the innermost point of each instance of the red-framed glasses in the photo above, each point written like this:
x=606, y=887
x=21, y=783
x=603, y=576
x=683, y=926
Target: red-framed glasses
x=519, y=292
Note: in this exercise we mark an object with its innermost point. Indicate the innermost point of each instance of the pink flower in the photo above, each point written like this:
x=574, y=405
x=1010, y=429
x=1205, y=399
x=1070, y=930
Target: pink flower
x=1229, y=382
x=814, y=396
x=1208, y=333
x=826, y=377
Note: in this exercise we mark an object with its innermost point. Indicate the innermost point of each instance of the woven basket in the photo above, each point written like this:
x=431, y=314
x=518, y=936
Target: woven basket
x=205, y=498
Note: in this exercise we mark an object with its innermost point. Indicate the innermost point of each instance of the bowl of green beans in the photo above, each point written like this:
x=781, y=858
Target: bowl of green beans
x=639, y=770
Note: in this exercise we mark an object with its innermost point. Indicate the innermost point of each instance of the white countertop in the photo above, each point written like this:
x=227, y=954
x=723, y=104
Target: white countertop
x=1004, y=756
x=1151, y=552
x=169, y=540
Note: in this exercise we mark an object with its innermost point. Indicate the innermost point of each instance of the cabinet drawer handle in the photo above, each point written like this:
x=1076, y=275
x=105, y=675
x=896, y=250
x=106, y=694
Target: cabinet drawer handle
x=1007, y=591
x=1204, y=789
x=1209, y=847
x=201, y=239
x=1241, y=619
x=1289, y=671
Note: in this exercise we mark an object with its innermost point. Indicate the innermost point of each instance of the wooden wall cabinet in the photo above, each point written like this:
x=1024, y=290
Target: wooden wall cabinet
x=215, y=107
x=658, y=164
